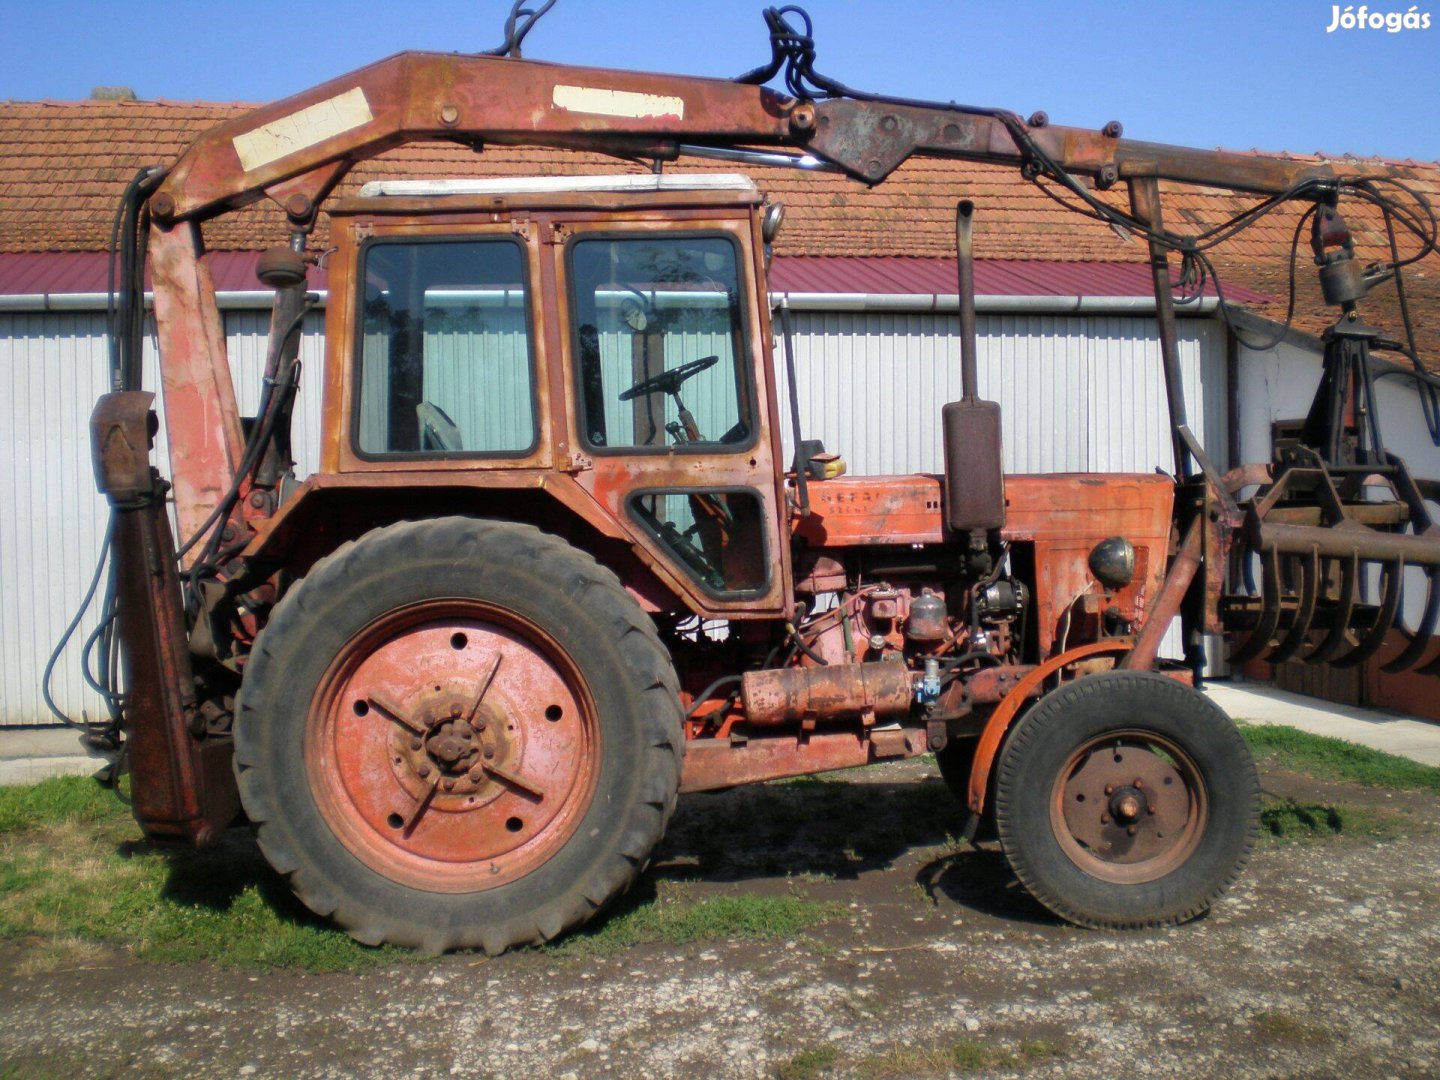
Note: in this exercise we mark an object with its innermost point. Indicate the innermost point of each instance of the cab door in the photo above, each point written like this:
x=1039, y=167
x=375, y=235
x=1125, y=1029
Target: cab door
x=673, y=405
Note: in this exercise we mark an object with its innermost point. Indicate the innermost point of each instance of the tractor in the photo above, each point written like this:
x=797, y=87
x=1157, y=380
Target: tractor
x=556, y=566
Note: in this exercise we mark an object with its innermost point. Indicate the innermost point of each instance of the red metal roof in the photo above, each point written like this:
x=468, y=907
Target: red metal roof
x=993, y=277
x=62, y=272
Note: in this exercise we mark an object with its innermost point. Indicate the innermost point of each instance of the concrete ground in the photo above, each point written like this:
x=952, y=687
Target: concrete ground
x=31, y=754
x=1394, y=733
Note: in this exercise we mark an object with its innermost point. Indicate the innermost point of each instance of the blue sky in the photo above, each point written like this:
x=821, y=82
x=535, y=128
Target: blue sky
x=1201, y=73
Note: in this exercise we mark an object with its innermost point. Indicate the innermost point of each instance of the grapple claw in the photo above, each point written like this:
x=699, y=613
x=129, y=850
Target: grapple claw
x=1305, y=536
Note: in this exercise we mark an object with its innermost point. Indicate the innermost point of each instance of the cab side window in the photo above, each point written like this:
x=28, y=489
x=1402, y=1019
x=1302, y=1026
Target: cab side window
x=445, y=364
x=660, y=342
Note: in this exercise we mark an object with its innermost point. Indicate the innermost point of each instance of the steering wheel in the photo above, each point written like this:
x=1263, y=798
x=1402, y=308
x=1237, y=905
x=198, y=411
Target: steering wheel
x=667, y=382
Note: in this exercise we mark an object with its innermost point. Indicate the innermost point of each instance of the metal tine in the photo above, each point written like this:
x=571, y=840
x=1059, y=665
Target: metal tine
x=1379, y=629
x=1304, y=613
x=1269, y=615
x=1418, y=494
x=1421, y=639
x=1335, y=637
x=1431, y=668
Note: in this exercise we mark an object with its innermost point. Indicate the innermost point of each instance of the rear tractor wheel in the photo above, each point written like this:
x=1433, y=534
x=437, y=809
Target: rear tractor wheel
x=1126, y=800
x=456, y=733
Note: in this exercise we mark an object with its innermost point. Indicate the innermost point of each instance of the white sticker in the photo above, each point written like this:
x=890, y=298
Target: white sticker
x=627, y=103
x=302, y=129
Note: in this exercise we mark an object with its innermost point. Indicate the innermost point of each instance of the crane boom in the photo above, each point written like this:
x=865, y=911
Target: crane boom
x=416, y=96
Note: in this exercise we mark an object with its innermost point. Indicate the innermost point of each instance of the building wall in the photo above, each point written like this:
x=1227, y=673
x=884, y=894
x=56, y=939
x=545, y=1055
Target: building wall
x=52, y=368
x=1077, y=393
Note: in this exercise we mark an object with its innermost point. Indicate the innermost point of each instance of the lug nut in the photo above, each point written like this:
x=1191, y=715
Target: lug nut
x=416, y=744
x=1104, y=819
x=455, y=712
x=424, y=771
x=449, y=785
x=1131, y=830
x=489, y=751
x=1138, y=783
x=1109, y=789
x=476, y=775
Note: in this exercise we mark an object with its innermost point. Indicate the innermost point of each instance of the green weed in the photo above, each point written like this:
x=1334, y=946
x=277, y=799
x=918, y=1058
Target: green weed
x=1336, y=759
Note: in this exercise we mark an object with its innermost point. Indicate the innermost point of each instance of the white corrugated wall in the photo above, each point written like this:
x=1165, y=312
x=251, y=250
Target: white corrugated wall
x=52, y=368
x=1078, y=393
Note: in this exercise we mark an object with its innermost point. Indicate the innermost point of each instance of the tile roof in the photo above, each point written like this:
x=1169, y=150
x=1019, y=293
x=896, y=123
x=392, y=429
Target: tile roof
x=64, y=164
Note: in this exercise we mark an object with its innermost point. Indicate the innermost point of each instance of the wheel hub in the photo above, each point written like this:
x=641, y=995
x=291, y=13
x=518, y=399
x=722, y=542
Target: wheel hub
x=453, y=753
x=460, y=752
x=1128, y=807
x=451, y=744
x=1127, y=804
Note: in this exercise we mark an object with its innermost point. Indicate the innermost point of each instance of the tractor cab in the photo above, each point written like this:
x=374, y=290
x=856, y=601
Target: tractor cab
x=603, y=338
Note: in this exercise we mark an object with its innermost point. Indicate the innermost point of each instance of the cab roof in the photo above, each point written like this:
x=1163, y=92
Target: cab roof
x=560, y=185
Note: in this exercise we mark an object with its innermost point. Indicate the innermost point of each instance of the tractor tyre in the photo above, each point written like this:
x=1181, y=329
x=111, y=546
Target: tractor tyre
x=458, y=734
x=1126, y=800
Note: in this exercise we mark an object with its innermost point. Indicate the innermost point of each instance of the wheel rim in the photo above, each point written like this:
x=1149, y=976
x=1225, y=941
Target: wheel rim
x=1129, y=807
x=452, y=746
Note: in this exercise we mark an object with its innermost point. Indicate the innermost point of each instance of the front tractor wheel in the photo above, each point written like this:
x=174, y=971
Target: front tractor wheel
x=1127, y=800
x=457, y=733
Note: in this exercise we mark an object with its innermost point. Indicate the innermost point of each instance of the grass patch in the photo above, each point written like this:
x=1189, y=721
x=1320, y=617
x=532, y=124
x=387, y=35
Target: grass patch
x=808, y=1064
x=961, y=1057
x=678, y=920
x=75, y=873
x=1289, y=819
x=45, y=1067
x=57, y=801
x=1336, y=759
x=1283, y=1027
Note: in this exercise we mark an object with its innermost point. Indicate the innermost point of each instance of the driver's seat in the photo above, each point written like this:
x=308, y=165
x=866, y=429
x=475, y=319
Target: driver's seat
x=437, y=430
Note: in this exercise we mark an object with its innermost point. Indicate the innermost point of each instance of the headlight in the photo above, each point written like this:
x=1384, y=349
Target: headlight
x=1112, y=562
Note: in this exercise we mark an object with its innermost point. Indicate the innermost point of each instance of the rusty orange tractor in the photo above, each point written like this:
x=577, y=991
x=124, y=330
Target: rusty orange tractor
x=555, y=568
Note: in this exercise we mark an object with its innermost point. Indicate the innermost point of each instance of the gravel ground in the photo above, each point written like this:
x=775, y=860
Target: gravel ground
x=1324, y=961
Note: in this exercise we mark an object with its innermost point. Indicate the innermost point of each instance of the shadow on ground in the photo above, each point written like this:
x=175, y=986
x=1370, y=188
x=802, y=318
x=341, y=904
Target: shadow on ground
x=216, y=879
x=837, y=829
x=819, y=829
x=823, y=827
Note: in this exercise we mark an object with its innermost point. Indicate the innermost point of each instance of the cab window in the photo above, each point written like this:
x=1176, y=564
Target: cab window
x=445, y=365
x=717, y=535
x=659, y=342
